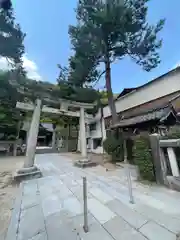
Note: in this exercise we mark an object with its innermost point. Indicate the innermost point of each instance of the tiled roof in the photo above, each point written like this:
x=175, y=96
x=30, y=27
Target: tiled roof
x=149, y=106
x=154, y=115
x=126, y=91
x=47, y=126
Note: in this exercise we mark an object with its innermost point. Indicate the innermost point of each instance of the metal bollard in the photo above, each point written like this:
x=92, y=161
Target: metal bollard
x=85, y=205
x=128, y=173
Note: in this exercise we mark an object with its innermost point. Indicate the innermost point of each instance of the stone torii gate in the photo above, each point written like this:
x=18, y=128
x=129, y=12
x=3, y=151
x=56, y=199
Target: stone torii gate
x=29, y=169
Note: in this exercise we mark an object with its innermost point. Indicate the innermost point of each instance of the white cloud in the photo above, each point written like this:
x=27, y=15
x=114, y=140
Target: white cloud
x=3, y=64
x=31, y=68
x=29, y=65
x=177, y=65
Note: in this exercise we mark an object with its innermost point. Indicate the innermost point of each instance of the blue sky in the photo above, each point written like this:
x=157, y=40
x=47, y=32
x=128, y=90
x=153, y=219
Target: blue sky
x=47, y=42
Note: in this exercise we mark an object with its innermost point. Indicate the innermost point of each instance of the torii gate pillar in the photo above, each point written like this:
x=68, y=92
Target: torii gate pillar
x=29, y=169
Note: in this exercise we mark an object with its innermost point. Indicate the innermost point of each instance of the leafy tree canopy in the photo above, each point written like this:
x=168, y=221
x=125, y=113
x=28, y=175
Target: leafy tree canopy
x=117, y=28
x=11, y=38
x=5, y=4
x=71, y=87
x=113, y=29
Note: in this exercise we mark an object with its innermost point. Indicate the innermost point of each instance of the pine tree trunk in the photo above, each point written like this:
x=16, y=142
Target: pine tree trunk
x=110, y=93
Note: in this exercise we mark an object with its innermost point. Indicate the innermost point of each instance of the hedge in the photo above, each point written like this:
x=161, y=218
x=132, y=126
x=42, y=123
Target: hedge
x=174, y=133
x=143, y=158
x=114, y=147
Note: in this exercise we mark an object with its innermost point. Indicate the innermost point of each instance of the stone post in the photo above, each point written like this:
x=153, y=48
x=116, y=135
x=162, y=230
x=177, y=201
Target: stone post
x=17, y=138
x=54, y=139
x=157, y=158
x=27, y=136
x=173, y=161
x=30, y=170
x=79, y=141
x=103, y=129
x=83, y=134
x=33, y=135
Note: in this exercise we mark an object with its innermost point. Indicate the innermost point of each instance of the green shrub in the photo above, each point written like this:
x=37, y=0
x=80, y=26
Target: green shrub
x=129, y=146
x=114, y=147
x=174, y=133
x=143, y=158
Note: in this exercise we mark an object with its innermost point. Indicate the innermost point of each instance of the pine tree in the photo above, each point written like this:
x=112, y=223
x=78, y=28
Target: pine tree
x=11, y=38
x=113, y=29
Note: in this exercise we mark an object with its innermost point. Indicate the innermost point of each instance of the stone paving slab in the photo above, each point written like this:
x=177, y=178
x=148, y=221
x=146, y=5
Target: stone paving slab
x=40, y=236
x=28, y=202
x=60, y=227
x=31, y=223
x=133, y=218
x=72, y=205
x=169, y=222
x=54, y=205
x=101, y=195
x=121, y=230
x=96, y=232
x=155, y=232
x=102, y=213
x=77, y=191
x=30, y=188
x=157, y=197
x=14, y=222
x=51, y=205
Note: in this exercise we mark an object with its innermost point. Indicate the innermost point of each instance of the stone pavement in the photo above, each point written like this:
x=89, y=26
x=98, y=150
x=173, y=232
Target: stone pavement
x=51, y=208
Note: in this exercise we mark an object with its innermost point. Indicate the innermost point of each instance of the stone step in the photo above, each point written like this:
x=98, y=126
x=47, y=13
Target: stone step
x=177, y=179
x=174, y=182
x=46, y=150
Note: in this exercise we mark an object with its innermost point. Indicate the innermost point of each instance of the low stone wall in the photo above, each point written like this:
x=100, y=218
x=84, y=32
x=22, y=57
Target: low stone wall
x=165, y=160
x=6, y=147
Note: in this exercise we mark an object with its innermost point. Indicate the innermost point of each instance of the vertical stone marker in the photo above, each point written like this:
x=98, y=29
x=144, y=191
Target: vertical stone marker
x=54, y=139
x=29, y=168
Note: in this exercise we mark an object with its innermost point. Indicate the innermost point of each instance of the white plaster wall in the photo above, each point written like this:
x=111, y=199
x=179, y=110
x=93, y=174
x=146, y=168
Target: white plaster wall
x=164, y=86
x=96, y=133
x=92, y=119
x=98, y=150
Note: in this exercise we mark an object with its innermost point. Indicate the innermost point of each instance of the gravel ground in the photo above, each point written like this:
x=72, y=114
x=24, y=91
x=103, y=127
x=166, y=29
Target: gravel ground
x=8, y=190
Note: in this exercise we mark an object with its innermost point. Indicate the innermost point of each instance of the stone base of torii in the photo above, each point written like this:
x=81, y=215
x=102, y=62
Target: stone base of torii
x=29, y=170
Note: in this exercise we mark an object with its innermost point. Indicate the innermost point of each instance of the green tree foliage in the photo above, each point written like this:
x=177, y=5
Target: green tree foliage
x=27, y=90
x=173, y=133
x=82, y=70
x=74, y=90
x=5, y=4
x=59, y=120
x=8, y=97
x=143, y=158
x=11, y=38
x=10, y=117
x=114, y=147
x=113, y=29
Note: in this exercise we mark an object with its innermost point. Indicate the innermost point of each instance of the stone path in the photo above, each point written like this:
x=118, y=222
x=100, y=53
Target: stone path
x=51, y=208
